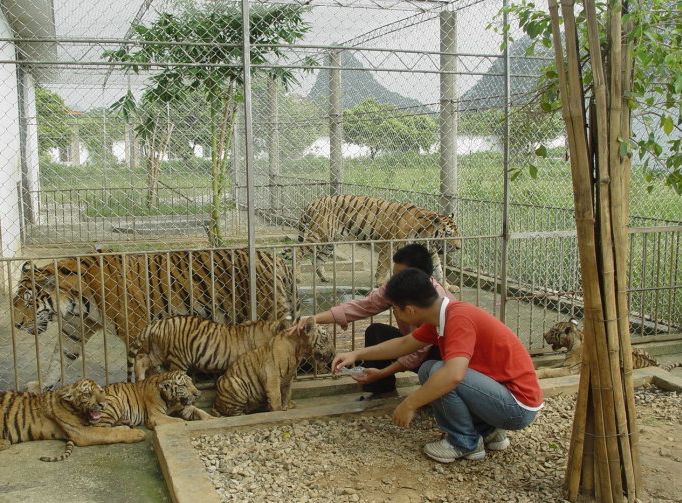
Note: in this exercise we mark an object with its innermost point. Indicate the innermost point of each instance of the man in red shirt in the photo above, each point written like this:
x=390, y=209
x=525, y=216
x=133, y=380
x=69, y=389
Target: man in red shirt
x=485, y=383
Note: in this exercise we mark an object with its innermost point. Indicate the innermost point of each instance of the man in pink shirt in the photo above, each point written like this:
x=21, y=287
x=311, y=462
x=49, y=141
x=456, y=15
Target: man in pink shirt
x=379, y=380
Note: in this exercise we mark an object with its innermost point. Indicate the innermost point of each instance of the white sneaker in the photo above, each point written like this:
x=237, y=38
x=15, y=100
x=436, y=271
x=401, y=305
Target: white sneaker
x=496, y=440
x=444, y=452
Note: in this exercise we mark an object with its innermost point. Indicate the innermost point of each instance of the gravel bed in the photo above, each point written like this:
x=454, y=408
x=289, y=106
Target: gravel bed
x=367, y=458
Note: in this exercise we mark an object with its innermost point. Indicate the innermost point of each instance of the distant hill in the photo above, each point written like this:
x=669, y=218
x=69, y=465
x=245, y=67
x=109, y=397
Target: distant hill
x=357, y=86
x=488, y=92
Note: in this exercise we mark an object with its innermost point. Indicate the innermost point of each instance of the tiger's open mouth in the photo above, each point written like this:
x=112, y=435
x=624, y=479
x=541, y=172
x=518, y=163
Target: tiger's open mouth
x=94, y=416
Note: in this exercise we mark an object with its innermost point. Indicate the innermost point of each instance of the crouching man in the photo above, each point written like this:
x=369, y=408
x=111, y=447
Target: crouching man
x=484, y=385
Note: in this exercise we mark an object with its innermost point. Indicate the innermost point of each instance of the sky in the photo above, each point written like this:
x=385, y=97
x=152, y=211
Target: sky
x=82, y=88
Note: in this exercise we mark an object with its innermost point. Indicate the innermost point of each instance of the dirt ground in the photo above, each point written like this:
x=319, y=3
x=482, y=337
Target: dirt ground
x=369, y=459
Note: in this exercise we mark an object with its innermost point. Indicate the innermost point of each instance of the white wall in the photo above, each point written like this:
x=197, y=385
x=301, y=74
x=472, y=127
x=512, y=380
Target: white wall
x=10, y=166
x=31, y=148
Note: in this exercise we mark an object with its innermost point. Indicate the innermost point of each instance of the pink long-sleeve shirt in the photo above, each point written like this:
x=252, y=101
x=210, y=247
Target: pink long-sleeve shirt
x=375, y=303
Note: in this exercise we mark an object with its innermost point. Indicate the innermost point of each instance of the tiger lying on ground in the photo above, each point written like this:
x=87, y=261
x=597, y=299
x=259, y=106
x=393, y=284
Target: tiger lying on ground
x=351, y=217
x=157, y=285
x=262, y=377
x=70, y=413
x=152, y=402
x=188, y=342
x=566, y=334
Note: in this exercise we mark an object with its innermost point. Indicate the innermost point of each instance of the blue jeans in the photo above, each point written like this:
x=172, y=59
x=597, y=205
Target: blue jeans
x=475, y=407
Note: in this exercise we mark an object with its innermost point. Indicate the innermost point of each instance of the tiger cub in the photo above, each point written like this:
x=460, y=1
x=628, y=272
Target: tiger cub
x=152, y=402
x=566, y=334
x=189, y=342
x=262, y=377
x=70, y=413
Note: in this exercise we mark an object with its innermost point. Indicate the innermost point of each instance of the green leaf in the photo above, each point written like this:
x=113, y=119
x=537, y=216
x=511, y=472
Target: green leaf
x=667, y=124
x=541, y=151
x=533, y=171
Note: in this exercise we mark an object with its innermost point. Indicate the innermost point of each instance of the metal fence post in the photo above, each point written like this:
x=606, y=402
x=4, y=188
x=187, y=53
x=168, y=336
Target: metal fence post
x=448, y=111
x=273, y=143
x=505, y=166
x=249, y=158
x=335, y=123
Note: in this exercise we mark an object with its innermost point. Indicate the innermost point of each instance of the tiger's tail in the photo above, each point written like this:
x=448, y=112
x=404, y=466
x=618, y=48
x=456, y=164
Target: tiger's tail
x=68, y=449
x=669, y=366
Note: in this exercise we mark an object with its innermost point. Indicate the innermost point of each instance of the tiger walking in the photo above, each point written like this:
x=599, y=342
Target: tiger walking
x=352, y=217
x=192, y=343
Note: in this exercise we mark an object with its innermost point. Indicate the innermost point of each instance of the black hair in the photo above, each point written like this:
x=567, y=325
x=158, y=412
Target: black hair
x=411, y=287
x=415, y=255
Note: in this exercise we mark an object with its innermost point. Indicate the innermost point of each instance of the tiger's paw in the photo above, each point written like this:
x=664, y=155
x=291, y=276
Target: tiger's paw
x=453, y=288
x=34, y=387
x=290, y=405
x=4, y=444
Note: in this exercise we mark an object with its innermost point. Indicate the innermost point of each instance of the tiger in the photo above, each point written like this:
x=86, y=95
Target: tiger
x=189, y=342
x=152, y=402
x=263, y=376
x=566, y=334
x=353, y=217
x=70, y=413
x=88, y=295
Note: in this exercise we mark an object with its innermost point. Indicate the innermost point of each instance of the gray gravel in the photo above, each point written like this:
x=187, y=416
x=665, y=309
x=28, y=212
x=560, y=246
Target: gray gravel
x=369, y=459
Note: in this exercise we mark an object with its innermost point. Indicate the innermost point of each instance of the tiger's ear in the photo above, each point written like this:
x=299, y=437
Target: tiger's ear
x=574, y=321
x=309, y=325
x=282, y=324
x=67, y=394
x=26, y=266
x=166, y=386
x=436, y=220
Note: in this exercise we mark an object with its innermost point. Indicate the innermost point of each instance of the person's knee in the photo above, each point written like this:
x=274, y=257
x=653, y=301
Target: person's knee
x=427, y=369
x=372, y=334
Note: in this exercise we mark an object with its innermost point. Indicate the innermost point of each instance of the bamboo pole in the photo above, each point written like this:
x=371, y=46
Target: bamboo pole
x=604, y=156
x=585, y=222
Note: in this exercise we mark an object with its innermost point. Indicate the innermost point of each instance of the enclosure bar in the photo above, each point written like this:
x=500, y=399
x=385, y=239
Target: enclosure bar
x=190, y=273
x=390, y=311
x=60, y=340
x=170, y=285
x=147, y=289
x=273, y=142
x=80, y=312
x=211, y=255
x=250, y=161
x=505, y=164
x=12, y=326
x=448, y=113
x=352, y=293
x=372, y=273
x=274, y=282
x=335, y=124
x=294, y=293
x=104, y=319
x=334, y=286
x=233, y=288
x=35, y=321
x=124, y=268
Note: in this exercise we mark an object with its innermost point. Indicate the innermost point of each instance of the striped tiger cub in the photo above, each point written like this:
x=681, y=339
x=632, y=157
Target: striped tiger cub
x=69, y=413
x=126, y=291
x=188, y=342
x=263, y=376
x=566, y=334
x=351, y=217
x=152, y=402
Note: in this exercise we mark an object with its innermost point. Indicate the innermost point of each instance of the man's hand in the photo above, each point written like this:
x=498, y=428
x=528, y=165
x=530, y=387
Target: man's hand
x=343, y=360
x=297, y=327
x=403, y=414
x=368, y=376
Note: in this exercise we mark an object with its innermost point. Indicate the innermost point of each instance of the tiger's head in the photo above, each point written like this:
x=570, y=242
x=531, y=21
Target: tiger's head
x=317, y=342
x=445, y=228
x=563, y=334
x=36, y=299
x=85, y=398
x=177, y=389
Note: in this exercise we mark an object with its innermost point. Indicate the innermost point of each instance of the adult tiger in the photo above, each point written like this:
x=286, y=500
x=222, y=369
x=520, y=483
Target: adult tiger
x=152, y=402
x=129, y=291
x=351, y=217
x=189, y=342
x=70, y=413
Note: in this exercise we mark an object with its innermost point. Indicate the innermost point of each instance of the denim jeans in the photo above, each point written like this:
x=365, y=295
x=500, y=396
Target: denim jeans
x=475, y=407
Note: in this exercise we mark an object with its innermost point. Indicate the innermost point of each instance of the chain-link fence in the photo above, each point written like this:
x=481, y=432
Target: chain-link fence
x=132, y=128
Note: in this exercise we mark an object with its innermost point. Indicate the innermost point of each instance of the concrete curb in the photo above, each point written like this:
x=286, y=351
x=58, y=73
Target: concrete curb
x=184, y=472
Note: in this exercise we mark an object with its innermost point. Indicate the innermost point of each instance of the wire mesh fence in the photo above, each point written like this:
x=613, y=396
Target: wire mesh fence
x=124, y=128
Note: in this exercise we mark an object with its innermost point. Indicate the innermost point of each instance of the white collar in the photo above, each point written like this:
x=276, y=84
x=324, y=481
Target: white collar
x=441, y=317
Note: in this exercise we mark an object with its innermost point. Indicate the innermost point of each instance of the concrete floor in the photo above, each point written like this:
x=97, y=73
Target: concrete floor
x=112, y=473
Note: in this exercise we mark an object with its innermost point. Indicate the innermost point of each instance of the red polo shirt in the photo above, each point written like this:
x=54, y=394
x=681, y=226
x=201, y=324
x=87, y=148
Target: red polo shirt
x=491, y=347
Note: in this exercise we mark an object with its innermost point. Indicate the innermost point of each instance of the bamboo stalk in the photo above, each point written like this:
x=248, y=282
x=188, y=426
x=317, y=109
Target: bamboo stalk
x=582, y=185
x=623, y=248
x=604, y=156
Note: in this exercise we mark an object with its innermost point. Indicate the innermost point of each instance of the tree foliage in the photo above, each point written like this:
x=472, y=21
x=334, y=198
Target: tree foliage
x=200, y=51
x=656, y=96
x=383, y=127
x=54, y=118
